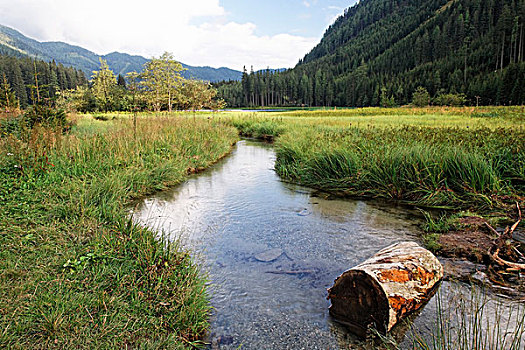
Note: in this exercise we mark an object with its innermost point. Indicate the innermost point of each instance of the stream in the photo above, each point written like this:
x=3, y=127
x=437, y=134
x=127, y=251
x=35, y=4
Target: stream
x=271, y=250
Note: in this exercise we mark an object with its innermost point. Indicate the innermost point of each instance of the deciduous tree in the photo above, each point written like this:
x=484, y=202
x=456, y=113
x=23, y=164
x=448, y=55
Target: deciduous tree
x=161, y=79
x=104, y=83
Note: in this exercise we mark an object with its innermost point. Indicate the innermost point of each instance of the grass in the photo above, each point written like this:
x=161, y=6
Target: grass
x=434, y=167
x=452, y=158
x=431, y=117
x=74, y=271
x=471, y=321
x=266, y=129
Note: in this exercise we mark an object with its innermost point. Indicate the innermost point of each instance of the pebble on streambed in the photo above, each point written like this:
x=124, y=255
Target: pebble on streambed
x=269, y=255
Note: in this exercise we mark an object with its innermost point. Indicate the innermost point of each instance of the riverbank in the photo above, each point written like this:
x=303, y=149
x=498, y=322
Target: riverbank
x=456, y=164
x=74, y=271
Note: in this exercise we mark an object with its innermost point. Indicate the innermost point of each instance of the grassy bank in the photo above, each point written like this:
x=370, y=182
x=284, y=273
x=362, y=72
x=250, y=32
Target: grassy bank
x=454, y=157
x=445, y=166
x=74, y=272
x=466, y=161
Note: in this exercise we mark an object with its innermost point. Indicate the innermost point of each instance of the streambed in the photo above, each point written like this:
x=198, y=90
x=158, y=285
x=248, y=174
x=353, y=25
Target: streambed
x=271, y=249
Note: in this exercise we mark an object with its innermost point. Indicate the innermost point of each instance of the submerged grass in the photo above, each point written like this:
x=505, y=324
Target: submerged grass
x=74, y=271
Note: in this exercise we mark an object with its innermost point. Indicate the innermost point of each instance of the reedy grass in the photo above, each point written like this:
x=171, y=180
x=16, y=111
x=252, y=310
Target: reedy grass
x=471, y=321
x=445, y=167
x=262, y=130
x=74, y=271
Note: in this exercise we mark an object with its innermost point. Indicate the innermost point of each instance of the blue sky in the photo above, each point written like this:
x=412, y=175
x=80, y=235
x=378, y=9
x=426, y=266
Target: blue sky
x=217, y=33
x=299, y=17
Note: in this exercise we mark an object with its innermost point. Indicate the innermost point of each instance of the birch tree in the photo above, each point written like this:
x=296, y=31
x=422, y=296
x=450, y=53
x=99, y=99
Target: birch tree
x=161, y=79
x=198, y=94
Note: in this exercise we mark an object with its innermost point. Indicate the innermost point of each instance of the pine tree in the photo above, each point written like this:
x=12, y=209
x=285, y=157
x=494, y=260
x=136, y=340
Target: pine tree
x=421, y=97
x=16, y=80
x=121, y=81
x=8, y=100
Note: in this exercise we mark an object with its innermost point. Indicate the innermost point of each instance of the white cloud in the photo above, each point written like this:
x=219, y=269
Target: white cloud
x=309, y=3
x=151, y=27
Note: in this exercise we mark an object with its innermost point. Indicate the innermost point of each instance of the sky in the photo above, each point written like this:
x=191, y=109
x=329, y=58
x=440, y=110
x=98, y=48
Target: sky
x=216, y=33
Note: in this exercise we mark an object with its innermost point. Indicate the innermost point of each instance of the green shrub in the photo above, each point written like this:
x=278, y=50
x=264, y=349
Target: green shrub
x=454, y=100
x=12, y=125
x=421, y=97
x=45, y=115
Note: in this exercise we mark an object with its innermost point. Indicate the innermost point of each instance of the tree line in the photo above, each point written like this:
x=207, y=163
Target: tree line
x=20, y=76
x=380, y=51
x=25, y=82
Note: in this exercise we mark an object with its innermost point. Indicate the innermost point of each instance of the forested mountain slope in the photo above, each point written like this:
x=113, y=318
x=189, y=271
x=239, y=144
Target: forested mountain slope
x=15, y=43
x=390, y=47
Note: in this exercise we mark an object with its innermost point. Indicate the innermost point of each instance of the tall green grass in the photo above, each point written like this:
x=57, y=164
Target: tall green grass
x=258, y=128
x=445, y=166
x=448, y=157
x=74, y=271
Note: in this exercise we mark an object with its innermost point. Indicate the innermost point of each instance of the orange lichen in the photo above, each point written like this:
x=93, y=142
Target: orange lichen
x=424, y=276
x=395, y=275
x=403, y=306
x=404, y=275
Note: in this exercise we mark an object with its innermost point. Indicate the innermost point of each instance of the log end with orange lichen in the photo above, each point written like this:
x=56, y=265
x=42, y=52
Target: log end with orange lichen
x=378, y=293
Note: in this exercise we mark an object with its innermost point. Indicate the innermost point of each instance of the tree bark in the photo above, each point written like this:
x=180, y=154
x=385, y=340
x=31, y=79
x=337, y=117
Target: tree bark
x=378, y=293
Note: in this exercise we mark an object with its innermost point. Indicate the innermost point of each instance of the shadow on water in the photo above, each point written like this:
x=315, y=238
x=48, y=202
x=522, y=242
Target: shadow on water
x=272, y=249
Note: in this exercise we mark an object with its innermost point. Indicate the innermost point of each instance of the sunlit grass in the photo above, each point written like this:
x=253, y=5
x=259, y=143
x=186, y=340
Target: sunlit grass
x=437, y=117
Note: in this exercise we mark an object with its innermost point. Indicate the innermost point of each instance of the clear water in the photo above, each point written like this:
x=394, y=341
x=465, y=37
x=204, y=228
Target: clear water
x=272, y=249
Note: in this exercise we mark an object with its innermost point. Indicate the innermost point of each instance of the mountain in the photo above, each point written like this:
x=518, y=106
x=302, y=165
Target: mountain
x=383, y=50
x=15, y=43
x=211, y=74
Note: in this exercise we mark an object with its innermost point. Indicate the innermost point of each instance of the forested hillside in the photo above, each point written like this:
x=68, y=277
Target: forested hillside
x=14, y=43
x=21, y=75
x=381, y=51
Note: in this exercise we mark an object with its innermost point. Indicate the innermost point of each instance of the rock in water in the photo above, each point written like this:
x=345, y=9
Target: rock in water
x=269, y=255
x=381, y=291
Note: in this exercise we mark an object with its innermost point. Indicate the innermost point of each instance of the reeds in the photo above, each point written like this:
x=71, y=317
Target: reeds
x=435, y=167
x=472, y=321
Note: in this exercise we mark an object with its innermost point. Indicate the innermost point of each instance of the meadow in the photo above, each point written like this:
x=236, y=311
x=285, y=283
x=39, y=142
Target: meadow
x=75, y=272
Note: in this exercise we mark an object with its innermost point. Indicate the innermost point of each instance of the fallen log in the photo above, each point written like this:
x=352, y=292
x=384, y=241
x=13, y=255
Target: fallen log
x=378, y=293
